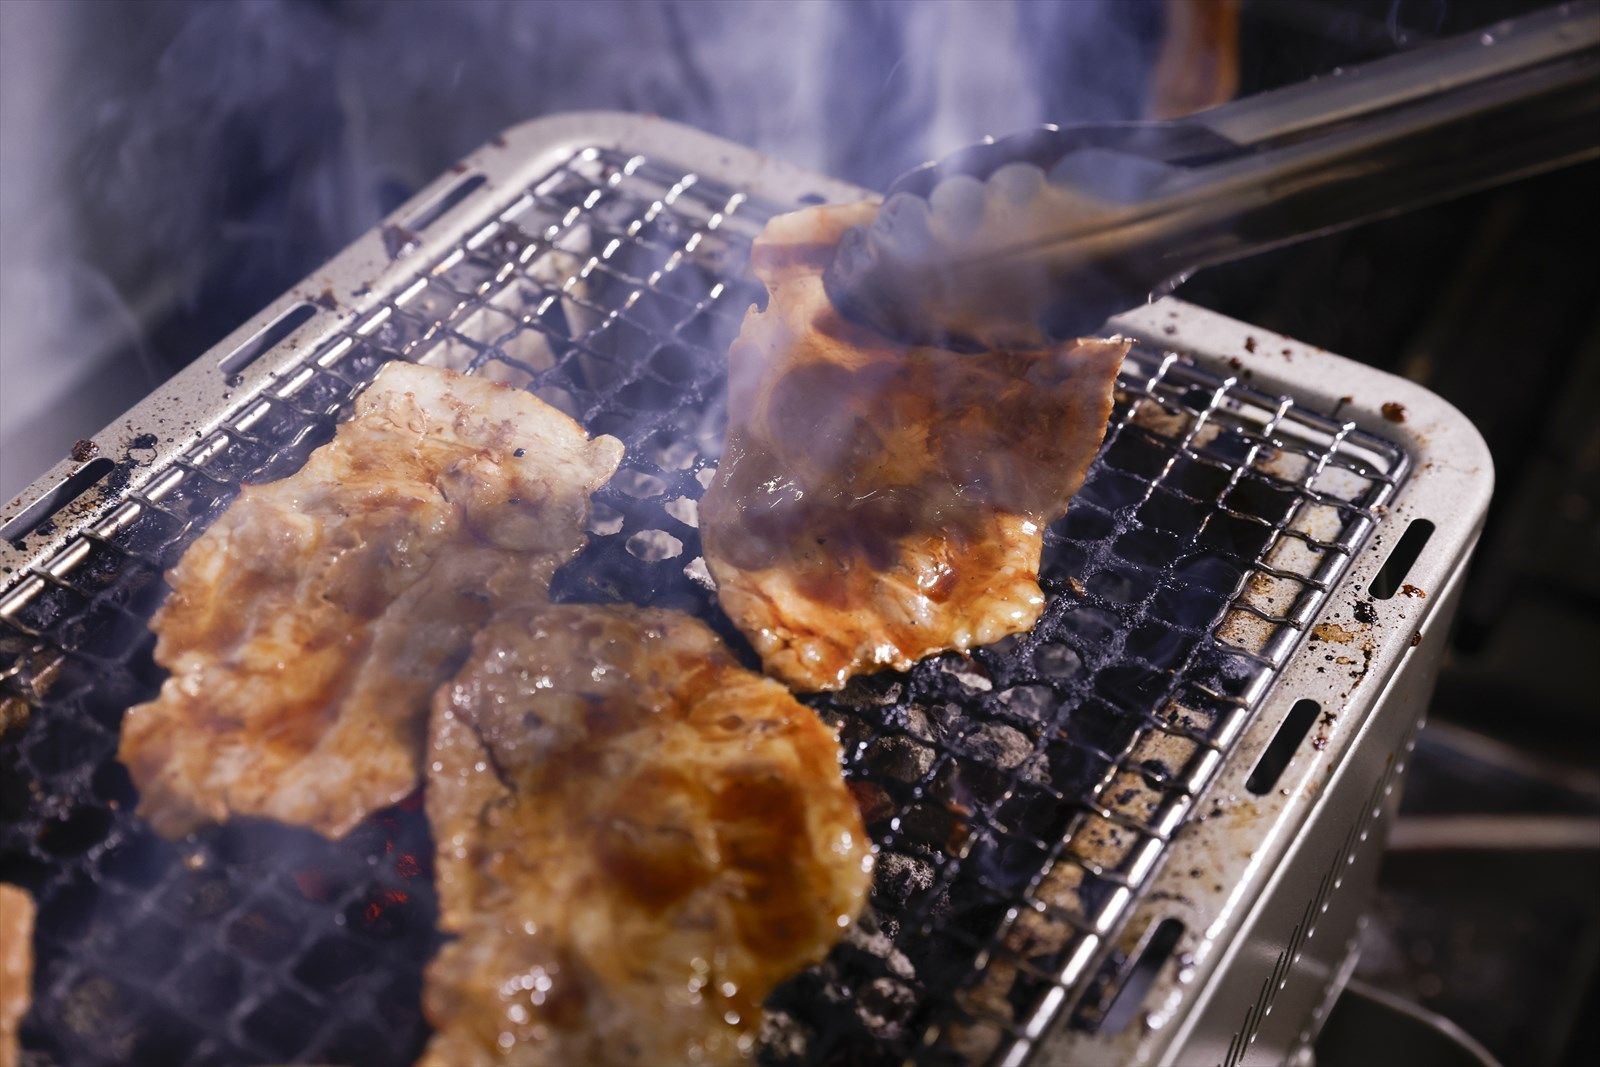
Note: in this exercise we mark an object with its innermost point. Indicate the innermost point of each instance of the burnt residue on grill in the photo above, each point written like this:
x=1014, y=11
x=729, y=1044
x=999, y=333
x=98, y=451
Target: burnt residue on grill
x=1354, y=658
x=398, y=240
x=1006, y=789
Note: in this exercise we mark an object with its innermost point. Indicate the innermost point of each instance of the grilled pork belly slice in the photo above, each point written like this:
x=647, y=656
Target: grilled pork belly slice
x=16, y=969
x=308, y=627
x=637, y=839
x=878, y=502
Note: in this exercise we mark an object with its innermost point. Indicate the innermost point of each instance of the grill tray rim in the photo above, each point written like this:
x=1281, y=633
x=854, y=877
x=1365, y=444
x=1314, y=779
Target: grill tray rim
x=201, y=397
x=1219, y=873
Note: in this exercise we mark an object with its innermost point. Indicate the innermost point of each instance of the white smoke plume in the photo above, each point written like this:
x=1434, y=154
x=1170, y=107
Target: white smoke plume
x=193, y=159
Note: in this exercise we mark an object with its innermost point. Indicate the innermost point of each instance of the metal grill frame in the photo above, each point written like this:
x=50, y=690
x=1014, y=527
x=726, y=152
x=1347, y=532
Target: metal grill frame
x=1448, y=482
x=1270, y=889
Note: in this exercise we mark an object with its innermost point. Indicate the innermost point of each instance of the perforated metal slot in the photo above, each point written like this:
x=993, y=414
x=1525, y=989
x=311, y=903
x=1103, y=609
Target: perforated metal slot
x=1140, y=976
x=1391, y=577
x=1281, y=749
x=267, y=338
x=71, y=488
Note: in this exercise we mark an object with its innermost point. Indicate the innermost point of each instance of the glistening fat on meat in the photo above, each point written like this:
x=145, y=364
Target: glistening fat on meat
x=308, y=627
x=878, y=502
x=637, y=840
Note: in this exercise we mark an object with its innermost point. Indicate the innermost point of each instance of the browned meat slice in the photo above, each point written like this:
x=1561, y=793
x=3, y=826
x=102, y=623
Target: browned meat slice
x=308, y=627
x=16, y=968
x=637, y=840
x=877, y=502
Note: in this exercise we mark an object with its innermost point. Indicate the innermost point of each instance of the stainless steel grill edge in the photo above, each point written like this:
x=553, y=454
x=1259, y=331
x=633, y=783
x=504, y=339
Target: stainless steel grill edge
x=1270, y=890
x=1236, y=864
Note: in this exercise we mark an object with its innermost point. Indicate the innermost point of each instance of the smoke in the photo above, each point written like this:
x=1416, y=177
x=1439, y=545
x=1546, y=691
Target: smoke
x=202, y=157
x=72, y=355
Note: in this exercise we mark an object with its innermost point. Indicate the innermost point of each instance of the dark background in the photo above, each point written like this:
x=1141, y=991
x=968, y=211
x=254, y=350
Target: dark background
x=167, y=168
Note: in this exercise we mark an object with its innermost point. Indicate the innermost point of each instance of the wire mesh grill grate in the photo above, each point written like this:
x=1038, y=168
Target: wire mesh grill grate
x=1020, y=796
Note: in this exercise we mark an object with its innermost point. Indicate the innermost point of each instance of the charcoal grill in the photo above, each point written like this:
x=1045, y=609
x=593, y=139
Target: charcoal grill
x=1138, y=833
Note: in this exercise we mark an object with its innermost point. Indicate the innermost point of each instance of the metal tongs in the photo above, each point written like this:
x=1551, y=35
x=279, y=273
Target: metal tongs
x=1043, y=235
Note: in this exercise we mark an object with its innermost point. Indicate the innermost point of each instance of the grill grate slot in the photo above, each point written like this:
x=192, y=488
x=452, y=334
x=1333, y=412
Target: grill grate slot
x=1020, y=796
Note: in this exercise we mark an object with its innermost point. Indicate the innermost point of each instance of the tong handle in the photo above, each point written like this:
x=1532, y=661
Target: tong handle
x=1517, y=99
x=1130, y=209
x=1408, y=78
